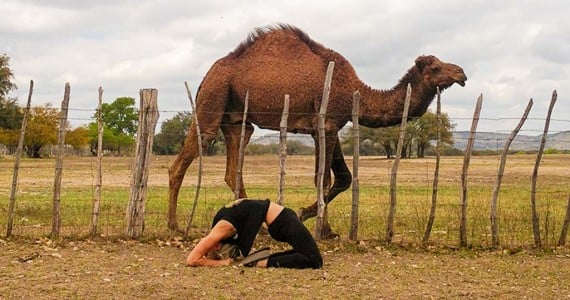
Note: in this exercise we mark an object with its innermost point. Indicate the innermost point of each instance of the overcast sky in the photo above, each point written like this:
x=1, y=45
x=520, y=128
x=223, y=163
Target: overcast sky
x=510, y=50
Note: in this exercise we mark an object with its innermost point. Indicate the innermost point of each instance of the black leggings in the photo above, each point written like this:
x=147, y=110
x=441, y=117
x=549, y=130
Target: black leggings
x=305, y=254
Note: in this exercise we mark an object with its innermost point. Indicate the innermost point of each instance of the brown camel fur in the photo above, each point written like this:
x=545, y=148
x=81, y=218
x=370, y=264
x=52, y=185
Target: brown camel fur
x=280, y=60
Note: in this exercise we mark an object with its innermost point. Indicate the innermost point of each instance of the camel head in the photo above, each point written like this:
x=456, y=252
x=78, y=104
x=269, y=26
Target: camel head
x=438, y=73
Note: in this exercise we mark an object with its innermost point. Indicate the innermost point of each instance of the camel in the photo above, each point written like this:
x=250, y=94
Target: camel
x=282, y=59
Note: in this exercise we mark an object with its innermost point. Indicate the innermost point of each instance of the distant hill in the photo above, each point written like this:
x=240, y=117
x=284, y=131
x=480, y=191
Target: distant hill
x=273, y=138
x=496, y=141
x=483, y=140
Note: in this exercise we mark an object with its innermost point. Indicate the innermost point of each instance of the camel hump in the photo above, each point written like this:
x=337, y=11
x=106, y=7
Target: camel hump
x=276, y=32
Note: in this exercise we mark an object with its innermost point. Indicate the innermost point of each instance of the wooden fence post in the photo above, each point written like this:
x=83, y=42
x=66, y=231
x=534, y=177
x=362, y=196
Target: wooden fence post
x=282, y=148
x=493, y=215
x=353, y=234
x=535, y=222
x=435, y=185
x=17, y=156
x=239, y=171
x=466, y=160
x=394, y=173
x=321, y=205
x=148, y=116
x=99, y=179
x=565, y=225
x=200, y=159
x=56, y=220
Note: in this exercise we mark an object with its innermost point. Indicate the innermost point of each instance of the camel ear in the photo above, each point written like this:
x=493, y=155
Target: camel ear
x=423, y=61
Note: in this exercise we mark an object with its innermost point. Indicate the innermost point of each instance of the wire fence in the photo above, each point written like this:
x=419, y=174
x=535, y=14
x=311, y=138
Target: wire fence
x=34, y=199
x=261, y=173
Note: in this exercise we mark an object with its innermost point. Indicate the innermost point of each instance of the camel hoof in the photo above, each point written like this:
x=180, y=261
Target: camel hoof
x=306, y=213
x=328, y=234
x=301, y=214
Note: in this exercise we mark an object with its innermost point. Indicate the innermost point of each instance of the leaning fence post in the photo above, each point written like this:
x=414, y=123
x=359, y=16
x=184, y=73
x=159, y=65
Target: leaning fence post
x=56, y=220
x=535, y=223
x=200, y=159
x=17, y=156
x=148, y=116
x=435, y=185
x=321, y=205
x=394, y=173
x=99, y=182
x=282, y=148
x=353, y=234
x=466, y=160
x=239, y=171
x=493, y=216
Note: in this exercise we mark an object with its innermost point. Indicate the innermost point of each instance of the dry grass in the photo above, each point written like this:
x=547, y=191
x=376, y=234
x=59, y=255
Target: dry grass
x=414, y=195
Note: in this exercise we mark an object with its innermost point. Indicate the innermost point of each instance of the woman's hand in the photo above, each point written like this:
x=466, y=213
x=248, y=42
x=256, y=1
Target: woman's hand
x=228, y=262
x=197, y=257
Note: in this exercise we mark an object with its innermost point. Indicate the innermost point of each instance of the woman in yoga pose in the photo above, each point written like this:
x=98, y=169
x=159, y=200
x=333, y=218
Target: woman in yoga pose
x=236, y=225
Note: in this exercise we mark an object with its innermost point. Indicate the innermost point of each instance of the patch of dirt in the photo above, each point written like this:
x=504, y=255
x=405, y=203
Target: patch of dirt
x=155, y=269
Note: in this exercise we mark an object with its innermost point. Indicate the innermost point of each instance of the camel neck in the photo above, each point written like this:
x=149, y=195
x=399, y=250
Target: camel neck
x=381, y=108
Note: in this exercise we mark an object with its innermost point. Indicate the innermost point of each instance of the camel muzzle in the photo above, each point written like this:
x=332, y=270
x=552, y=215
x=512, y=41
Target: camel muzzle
x=461, y=78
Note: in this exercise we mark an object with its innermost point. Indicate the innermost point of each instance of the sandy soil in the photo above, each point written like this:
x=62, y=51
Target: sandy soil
x=119, y=269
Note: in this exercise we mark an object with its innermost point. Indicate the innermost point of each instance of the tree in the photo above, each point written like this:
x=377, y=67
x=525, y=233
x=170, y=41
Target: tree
x=121, y=116
x=368, y=142
x=117, y=143
x=78, y=138
x=6, y=76
x=426, y=131
x=419, y=132
x=298, y=148
x=120, y=120
x=41, y=129
x=373, y=141
x=172, y=134
x=10, y=113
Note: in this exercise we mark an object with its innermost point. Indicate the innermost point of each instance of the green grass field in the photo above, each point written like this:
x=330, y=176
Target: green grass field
x=36, y=176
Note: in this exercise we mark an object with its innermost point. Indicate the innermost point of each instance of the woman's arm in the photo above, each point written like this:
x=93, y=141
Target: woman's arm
x=197, y=257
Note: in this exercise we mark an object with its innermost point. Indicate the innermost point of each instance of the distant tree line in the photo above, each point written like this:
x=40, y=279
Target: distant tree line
x=120, y=119
x=420, y=132
x=173, y=132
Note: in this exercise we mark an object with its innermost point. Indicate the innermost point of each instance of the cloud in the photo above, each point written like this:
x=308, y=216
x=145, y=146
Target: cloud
x=511, y=50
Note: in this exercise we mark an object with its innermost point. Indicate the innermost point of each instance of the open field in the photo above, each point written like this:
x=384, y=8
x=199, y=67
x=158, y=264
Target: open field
x=32, y=266
x=35, y=190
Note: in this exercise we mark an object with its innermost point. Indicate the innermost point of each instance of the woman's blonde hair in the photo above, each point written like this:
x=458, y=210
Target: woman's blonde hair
x=227, y=250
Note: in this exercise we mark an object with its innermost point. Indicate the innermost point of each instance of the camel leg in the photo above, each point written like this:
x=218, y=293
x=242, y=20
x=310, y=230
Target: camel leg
x=178, y=169
x=342, y=175
x=232, y=136
x=211, y=102
x=176, y=174
x=311, y=211
x=342, y=181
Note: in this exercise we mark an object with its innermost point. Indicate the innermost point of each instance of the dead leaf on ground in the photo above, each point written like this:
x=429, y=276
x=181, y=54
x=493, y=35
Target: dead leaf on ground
x=28, y=257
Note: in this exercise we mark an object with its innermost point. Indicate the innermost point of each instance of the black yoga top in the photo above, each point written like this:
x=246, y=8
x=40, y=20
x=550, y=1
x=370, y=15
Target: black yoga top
x=246, y=216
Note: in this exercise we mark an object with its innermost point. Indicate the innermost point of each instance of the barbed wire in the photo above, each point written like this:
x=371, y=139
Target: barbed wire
x=302, y=114
x=74, y=116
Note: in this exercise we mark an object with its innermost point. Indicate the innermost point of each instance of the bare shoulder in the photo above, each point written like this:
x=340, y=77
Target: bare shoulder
x=223, y=229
